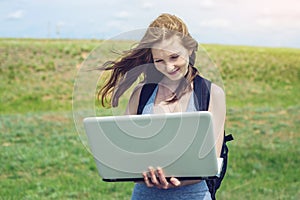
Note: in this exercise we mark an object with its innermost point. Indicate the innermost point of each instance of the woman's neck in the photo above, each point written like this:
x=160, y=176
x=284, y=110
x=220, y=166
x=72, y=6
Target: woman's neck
x=170, y=84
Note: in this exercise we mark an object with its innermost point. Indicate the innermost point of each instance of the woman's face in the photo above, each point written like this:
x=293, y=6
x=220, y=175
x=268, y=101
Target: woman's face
x=171, y=58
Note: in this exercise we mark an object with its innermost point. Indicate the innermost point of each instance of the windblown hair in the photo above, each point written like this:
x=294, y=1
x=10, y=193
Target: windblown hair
x=138, y=61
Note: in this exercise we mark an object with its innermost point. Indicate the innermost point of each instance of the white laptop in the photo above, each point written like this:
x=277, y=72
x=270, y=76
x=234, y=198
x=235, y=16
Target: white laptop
x=181, y=143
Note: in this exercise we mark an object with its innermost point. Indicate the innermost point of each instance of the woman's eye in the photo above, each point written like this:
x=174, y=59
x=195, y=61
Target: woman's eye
x=157, y=61
x=174, y=56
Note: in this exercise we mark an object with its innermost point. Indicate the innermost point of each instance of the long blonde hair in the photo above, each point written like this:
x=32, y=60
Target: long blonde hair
x=138, y=60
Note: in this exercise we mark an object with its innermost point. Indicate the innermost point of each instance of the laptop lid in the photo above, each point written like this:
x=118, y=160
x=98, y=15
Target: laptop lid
x=181, y=143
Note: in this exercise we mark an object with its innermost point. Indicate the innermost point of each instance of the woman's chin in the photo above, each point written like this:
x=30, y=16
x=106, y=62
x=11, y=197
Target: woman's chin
x=176, y=77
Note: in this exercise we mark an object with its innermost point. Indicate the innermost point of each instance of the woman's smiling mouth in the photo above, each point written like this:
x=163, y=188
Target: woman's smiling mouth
x=173, y=72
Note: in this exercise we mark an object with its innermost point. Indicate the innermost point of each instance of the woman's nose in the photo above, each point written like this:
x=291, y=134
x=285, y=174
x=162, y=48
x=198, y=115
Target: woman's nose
x=170, y=66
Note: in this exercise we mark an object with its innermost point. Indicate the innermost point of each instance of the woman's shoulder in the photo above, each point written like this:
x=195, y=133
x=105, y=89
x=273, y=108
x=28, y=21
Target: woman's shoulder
x=217, y=90
x=217, y=96
x=134, y=99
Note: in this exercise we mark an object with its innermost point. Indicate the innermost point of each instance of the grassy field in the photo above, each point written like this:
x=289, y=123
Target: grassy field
x=42, y=157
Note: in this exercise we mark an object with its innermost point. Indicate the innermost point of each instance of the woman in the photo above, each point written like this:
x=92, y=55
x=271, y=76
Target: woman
x=166, y=57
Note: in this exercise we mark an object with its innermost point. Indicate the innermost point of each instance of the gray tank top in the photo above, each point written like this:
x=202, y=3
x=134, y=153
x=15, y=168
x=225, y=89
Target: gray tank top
x=148, y=109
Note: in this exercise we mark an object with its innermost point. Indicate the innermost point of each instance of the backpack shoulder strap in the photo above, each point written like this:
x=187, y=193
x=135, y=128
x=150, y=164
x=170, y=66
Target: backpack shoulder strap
x=202, y=91
x=146, y=92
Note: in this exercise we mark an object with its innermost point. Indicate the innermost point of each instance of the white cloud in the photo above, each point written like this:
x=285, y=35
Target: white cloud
x=279, y=19
x=207, y=4
x=122, y=15
x=215, y=23
x=265, y=22
x=147, y=5
x=18, y=14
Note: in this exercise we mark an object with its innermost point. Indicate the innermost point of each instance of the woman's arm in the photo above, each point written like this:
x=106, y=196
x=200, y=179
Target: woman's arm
x=217, y=106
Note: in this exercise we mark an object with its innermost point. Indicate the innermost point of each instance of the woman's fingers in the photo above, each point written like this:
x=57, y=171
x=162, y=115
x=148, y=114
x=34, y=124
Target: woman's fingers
x=162, y=179
x=147, y=181
x=153, y=177
x=175, y=181
x=157, y=178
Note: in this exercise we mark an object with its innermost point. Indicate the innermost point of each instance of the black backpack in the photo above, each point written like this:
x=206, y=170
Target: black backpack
x=201, y=99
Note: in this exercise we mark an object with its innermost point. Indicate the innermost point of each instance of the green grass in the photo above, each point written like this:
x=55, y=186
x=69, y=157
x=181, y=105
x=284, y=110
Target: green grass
x=264, y=156
x=42, y=157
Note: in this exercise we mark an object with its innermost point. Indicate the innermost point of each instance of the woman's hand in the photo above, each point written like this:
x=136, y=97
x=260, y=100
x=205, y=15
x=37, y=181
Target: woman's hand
x=156, y=178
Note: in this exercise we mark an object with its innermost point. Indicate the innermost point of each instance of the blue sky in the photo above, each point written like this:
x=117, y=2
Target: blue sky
x=236, y=22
